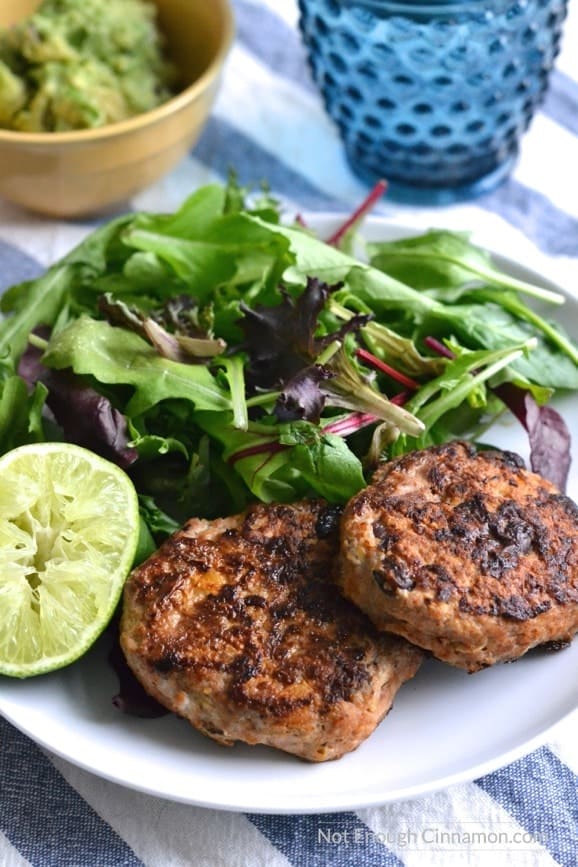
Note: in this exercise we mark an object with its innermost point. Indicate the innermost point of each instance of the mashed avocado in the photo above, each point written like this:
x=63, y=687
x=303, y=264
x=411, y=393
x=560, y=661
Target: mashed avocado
x=77, y=64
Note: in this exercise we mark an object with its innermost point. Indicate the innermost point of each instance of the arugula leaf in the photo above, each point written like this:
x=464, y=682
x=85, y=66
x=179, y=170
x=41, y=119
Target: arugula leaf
x=118, y=357
x=196, y=263
x=192, y=218
x=231, y=249
x=41, y=301
x=37, y=302
x=150, y=446
x=144, y=281
x=235, y=375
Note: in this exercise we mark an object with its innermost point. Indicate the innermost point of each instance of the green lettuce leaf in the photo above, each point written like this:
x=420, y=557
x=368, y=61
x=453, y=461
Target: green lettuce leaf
x=20, y=413
x=117, y=357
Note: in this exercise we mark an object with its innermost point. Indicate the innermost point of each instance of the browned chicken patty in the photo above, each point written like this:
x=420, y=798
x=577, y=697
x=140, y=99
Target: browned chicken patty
x=237, y=625
x=467, y=555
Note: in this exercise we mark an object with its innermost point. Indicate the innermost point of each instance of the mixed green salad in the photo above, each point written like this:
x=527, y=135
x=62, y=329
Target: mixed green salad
x=221, y=355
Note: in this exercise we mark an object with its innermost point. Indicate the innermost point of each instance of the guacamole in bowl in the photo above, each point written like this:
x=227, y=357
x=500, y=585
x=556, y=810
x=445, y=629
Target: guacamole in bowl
x=80, y=64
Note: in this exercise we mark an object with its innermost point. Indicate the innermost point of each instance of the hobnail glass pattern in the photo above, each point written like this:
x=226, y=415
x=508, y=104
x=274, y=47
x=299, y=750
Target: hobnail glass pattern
x=432, y=97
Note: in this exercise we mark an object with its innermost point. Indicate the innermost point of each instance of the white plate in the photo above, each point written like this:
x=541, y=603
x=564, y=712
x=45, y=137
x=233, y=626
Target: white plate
x=446, y=726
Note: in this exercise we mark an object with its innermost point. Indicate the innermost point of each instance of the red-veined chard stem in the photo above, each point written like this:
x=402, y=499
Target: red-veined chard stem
x=273, y=447
x=440, y=348
x=375, y=194
x=343, y=427
x=352, y=423
x=377, y=364
x=401, y=398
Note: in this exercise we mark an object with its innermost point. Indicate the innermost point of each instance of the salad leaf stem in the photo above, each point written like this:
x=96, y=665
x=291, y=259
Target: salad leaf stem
x=375, y=194
x=234, y=368
x=347, y=389
x=38, y=342
x=511, y=303
x=374, y=362
x=438, y=346
x=268, y=448
x=383, y=339
x=493, y=362
x=401, y=398
x=350, y=424
x=343, y=427
x=264, y=399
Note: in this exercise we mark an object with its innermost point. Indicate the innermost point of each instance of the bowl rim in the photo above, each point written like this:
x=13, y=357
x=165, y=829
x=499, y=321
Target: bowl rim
x=146, y=118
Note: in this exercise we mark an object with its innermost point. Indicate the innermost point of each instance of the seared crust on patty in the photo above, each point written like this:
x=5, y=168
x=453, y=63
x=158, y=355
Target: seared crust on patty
x=236, y=624
x=465, y=554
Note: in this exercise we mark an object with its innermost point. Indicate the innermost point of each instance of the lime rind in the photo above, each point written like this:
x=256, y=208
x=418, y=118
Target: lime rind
x=69, y=527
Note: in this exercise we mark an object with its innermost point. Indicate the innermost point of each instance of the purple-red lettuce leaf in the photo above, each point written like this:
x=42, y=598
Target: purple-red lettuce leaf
x=302, y=397
x=86, y=417
x=131, y=698
x=548, y=433
x=281, y=340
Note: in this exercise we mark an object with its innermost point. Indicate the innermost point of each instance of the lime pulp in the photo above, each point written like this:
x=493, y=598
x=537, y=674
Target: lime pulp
x=69, y=527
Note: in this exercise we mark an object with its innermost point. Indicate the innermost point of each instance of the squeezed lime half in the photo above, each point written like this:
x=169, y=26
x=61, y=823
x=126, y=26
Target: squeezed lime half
x=69, y=527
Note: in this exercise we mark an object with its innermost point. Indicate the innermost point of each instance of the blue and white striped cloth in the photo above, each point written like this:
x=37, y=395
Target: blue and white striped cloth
x=269, y=123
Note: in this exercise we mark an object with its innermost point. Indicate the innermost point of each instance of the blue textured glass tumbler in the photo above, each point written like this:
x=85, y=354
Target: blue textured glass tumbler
x=433, y=96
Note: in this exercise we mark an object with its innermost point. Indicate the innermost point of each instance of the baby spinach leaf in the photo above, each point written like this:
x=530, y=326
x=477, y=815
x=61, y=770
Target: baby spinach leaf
x=325, y=460
x=447, y=259
x=311, y=257
x=515, y=306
